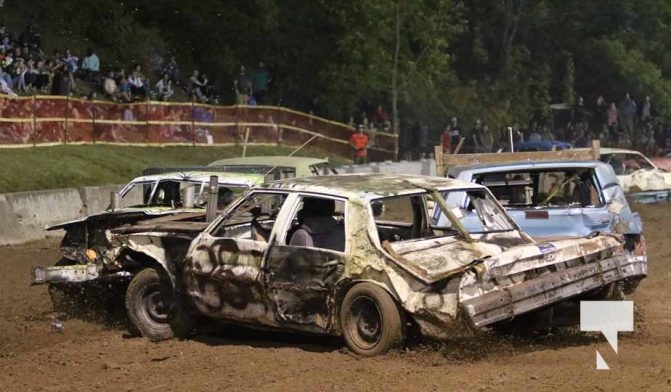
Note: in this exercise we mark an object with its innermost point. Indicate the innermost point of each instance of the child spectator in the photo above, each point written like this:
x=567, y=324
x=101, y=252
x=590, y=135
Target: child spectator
x=195, y=86
x=71, y=67
x=110, y=87
x=31, y=75
x=44, y=76
x=124, y=94
x=137, y=82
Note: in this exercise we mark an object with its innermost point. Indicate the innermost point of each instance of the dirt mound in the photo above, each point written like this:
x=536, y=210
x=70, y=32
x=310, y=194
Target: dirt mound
x=90, y=353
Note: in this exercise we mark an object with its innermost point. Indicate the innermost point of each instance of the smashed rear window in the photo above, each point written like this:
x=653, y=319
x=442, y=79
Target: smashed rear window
x=544, y=188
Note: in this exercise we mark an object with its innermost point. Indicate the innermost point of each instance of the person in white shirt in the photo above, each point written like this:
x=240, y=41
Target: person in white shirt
x=164, y=88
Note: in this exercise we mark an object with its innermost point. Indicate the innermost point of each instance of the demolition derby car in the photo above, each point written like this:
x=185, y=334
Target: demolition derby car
x=640, y=178
x=85, y=246
x=359, y=256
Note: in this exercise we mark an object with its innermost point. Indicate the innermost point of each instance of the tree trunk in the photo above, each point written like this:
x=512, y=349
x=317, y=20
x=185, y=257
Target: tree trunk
x=394, y=79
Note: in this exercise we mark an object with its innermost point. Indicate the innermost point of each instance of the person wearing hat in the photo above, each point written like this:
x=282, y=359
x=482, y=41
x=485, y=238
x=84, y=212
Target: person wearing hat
x=359, y=143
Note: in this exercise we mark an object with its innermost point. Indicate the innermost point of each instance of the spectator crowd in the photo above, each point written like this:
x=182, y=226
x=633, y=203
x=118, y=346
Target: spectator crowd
x=25, y=68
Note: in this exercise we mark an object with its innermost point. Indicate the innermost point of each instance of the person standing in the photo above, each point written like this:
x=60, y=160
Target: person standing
x=646, y=111
x=359, y=143
x=242, y=86
x=260, y=81
x=611, y=120
x=486, y=140
x=627, y=112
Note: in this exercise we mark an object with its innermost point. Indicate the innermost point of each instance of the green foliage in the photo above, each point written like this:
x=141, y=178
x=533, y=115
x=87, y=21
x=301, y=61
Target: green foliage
x=503, y=61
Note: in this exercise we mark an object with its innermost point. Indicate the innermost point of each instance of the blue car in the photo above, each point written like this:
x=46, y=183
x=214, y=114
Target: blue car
x=543, y=145
x=552, y=199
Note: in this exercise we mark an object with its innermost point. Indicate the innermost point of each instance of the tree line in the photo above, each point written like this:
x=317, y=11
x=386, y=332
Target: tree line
x=502, y=61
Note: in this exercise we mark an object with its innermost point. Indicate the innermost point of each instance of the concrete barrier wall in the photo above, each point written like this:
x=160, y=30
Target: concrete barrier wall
x=96, y=198
x=25, y=215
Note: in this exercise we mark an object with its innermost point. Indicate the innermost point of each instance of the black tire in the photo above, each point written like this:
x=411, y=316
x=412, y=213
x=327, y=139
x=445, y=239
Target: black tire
x=154, y=309
x=371, y=321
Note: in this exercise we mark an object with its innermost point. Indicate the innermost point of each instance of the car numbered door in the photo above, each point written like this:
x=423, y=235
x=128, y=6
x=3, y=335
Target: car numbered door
x=300, y=278
x=223, y=271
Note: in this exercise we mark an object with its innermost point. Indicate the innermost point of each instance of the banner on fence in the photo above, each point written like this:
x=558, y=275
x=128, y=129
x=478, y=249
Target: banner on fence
x=58, y=119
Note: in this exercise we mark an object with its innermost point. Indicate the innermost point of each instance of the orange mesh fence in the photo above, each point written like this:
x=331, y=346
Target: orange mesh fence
x=55, y=119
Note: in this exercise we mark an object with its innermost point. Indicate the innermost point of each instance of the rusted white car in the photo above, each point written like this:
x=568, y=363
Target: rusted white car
x=640, y=178
x=358, y=256
x=88, y=265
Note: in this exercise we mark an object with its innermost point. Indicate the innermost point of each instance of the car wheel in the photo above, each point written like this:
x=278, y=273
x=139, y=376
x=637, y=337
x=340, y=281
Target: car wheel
x=372, y=323
x=153, y=307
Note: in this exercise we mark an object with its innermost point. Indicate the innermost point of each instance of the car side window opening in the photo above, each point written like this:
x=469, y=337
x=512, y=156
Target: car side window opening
x=318, y=222
x=166, y=194
x=626, y=163
x=400, y=218
x=254, y=218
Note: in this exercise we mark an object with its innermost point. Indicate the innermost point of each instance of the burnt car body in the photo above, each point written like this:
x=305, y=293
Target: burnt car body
x=84, y=246
x=358, y=256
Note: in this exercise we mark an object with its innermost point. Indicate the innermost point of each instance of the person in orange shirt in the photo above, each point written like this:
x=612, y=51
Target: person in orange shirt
x=359, y=143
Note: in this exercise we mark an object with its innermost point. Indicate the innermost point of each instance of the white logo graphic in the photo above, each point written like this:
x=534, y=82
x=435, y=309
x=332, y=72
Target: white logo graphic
x=609, y=317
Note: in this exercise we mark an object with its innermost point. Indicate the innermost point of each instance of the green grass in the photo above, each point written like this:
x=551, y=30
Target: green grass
x=71, y=166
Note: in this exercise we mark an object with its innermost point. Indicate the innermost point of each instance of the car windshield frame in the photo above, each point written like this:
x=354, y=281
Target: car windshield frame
x=488, y=210
x=201, y=186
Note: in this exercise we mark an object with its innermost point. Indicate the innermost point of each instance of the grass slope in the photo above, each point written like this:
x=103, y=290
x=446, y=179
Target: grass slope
x=68, y=166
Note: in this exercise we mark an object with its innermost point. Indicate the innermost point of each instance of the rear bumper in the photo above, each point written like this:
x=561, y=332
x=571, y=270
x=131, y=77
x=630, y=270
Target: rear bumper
x=648, y=197
x=65, y=274
x=506, y=303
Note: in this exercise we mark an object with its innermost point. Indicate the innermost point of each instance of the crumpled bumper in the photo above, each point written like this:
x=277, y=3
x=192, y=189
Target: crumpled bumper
x=65, y=274
x=506, y=303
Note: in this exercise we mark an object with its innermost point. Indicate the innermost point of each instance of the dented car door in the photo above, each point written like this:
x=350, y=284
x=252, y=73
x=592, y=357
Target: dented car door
x=223, y=271
x=300, y=278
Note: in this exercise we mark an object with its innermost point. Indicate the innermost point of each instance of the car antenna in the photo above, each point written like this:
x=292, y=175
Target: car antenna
x=291, y=154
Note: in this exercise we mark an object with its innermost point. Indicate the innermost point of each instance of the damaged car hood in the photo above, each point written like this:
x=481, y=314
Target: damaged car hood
x=122, y=214
x=494, y=254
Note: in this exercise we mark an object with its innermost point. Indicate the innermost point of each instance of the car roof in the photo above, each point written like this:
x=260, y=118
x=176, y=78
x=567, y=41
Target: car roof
x=270, y=160
x=226, y=178
x=611, y=150
x=369, y=186
x=499, y=167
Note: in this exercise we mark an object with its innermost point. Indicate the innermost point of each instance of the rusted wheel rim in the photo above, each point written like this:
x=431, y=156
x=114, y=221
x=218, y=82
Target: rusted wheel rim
x=156, y=304
x=365, y=322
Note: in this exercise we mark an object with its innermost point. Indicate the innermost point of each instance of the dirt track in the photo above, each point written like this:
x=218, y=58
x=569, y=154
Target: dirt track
x=94, y=355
